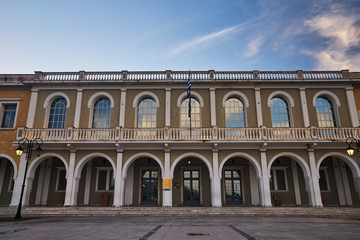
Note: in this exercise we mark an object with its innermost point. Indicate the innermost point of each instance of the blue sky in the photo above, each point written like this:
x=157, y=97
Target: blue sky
x=143, y=35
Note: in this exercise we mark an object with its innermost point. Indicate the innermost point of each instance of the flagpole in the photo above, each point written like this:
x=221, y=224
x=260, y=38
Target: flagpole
x=189, y=98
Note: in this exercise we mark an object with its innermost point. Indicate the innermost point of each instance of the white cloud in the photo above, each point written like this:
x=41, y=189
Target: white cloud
x=203, y=40
x=215, y=36
x=254, y=46
x=343, y=36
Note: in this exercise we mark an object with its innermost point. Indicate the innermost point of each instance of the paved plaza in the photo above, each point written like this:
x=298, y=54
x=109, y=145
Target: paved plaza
x=179, y=227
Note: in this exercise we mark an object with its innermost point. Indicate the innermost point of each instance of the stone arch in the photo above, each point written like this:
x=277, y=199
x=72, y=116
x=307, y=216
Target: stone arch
x=2, y=155
x=328, y=94
x=85, y=159
x=193, y=94
x=283, y=94
x=244, y=155
x=53, y=96
x=191, y=154
x=237, y=94
x=140, y=155
x=142, y=95
x=36, y=162
x=297, y=158
x=95, y=96
x=349, y=161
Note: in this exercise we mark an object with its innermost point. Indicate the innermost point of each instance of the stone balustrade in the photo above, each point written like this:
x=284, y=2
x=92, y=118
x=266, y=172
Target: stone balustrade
x=194, y=75
x=195, y=134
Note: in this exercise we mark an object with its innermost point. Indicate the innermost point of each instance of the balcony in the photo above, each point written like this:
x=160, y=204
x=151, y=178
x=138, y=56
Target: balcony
x=311, y=134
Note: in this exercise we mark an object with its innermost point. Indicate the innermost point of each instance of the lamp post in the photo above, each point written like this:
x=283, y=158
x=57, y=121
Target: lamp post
x=350, y=150
x=28, y=145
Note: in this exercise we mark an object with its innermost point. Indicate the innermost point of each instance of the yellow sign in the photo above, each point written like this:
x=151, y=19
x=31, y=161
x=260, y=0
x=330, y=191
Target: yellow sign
x=166, y=183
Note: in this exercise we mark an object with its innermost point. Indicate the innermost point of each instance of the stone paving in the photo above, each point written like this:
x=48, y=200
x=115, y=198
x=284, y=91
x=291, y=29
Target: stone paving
x=179, y=227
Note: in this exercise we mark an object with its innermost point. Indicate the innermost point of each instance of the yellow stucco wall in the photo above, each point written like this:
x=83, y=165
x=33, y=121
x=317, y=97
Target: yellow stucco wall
x=9, y=135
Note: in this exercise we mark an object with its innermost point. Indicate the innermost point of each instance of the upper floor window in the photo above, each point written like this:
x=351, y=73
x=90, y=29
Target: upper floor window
x=8, y=114
x=101, y=115
x=57, y=114
x=279, y=112
x=234, y=113
x=146, y=117
x=325, y=112
x=195, y=113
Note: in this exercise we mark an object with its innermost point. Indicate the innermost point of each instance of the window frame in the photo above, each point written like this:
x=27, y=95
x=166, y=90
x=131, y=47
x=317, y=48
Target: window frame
x=50, y=108
x=289, y=113
x=108, y=179
x=93, y=112
x=334, y=112
x=243, y=109
x=5, y=102
x=273, y=176
x=137, y=112
x=186, y=112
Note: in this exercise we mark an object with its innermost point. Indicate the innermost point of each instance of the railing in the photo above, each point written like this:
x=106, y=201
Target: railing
x=196, y=134
x=240, y=134
x=103, y=76
x=92, y=134
x=194, y=75
x=288, y=133
x=323, y=75
x=233, y=75
x=146, y=76
x=142, y=134
x=277, y=75
x=193, y=134
x=60, y=76
x=337, y=133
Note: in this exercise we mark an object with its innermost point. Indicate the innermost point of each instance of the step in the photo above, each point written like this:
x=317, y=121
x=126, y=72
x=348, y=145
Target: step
x=332, y=212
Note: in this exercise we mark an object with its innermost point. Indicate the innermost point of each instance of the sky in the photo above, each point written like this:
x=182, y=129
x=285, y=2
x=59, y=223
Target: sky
x=198, y=35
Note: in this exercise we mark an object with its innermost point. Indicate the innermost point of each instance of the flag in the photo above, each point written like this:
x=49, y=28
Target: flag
x=189, y=94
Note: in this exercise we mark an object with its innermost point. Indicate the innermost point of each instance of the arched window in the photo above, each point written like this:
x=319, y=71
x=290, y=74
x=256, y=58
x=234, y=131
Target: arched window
x=195, y=114
x=234, y=113
x=325, y=112
x=102, y=111
x=279, y=112
x=146, y=117
x=57, y=114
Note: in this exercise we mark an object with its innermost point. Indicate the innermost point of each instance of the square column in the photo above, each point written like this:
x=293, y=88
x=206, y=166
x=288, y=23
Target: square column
x=167, y=106
x=78, y=108
x=313, y=182
x=117, y=189
x=18, y=182
x=215, y=180
x=264, y=183
x=167, y=190
x=32, y=108
x=258, y=107
x=122, y=108
x=69, y=179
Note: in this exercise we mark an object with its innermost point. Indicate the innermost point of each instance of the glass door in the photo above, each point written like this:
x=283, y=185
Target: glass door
x=232, y=180
x=191, y=190
x=149, y=186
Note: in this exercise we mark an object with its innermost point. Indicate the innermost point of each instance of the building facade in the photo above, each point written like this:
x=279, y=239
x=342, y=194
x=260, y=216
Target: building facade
x=250, y=139
x=14, y=105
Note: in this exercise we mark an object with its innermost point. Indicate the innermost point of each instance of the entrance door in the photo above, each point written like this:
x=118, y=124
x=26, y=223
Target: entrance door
x=149, y=186
x=191, y=191
x=233, y=187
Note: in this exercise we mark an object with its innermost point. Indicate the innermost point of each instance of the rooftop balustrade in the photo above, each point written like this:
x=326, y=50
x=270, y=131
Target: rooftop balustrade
x=194, y=75
x=195, y=134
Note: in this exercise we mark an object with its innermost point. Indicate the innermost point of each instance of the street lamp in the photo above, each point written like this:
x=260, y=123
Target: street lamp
x=28, y=144
x=350, y=141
